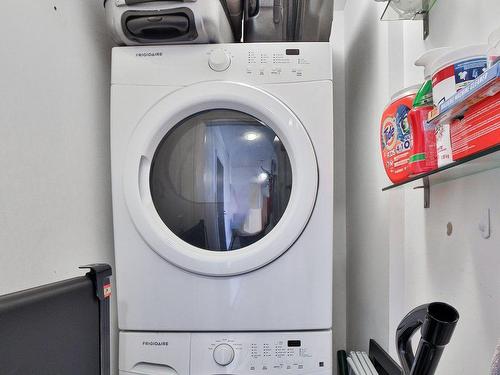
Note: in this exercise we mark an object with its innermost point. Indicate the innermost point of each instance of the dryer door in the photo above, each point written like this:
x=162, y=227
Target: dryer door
x=220, y=178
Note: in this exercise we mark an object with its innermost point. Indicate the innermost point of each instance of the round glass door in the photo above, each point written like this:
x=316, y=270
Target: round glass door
x=220, y=180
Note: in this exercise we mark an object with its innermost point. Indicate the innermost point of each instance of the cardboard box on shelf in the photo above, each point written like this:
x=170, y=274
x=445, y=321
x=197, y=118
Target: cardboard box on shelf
x=478, y=130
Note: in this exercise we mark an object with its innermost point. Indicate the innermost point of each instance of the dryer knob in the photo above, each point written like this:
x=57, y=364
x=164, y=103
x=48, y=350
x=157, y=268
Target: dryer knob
x=219, y=60
x=223, y=354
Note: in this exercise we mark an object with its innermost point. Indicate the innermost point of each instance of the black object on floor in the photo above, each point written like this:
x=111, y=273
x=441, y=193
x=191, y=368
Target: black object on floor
x=58, y=329
x=436, y=322
x=383, y=362
x=342, y=362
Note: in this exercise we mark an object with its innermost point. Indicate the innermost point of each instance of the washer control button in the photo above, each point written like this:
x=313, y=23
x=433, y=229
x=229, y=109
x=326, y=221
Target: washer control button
x=223, y=354
x=219, y=60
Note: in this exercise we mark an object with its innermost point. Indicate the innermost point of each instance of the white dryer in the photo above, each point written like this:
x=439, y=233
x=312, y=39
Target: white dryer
x=222, y=169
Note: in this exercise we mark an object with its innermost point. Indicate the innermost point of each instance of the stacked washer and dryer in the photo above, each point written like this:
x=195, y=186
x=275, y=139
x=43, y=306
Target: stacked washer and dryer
x=222, y=171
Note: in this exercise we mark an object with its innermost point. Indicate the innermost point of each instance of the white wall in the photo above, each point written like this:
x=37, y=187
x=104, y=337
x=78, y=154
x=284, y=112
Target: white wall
x=367, y=90
x=55, y=205
x=339, y=196
x=399, y=255
x=461, y=269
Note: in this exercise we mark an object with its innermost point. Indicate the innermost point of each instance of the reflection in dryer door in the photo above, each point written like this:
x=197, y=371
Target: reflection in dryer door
x=221, y=180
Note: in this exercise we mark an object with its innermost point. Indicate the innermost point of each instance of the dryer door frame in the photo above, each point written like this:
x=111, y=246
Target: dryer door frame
x=173, y=109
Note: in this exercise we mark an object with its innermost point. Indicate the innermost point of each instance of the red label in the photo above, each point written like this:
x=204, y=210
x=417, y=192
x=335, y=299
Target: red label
x=440, y=76
x=107, y=290
x=478, y=130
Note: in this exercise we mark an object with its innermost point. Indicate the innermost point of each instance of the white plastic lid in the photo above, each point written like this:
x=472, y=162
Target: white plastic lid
x=494, y=38
x=458, y=54
x=428, y=57
x=411, y=90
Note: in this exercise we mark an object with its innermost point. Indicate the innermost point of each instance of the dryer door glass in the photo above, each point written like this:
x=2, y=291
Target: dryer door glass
x=220, y=180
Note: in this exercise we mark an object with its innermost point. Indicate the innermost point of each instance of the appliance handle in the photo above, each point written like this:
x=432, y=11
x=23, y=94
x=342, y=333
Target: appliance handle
x=251, y=8
x=147, y=368
x=172, y=25
x=277, y=11
x=405, y=331
x=134, y=2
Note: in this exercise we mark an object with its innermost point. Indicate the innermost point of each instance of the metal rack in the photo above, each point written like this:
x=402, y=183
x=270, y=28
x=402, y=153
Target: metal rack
x=479, y=162
x=409, y=10
x=486, y=85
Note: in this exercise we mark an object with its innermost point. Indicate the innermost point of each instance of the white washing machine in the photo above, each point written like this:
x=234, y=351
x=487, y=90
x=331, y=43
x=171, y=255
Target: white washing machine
x=222, y=168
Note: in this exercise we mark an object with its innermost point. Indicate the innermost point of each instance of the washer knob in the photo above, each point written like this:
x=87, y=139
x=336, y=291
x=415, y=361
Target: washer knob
x=219, y=60
x=223, y=354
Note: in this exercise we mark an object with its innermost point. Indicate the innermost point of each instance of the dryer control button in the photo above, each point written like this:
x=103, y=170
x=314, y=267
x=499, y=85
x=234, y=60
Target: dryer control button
x=219, y=60
x=223, y=354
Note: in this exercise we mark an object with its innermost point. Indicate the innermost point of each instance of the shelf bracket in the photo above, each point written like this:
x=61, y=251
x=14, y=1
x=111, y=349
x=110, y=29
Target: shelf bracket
x=427, y=191
x=409, y=10
x=426, y=25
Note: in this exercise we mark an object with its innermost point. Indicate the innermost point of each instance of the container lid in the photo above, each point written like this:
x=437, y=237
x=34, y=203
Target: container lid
x=410, y=90
x=458, y=54
x=405, y=92
x=494, y=38
x=428, y=57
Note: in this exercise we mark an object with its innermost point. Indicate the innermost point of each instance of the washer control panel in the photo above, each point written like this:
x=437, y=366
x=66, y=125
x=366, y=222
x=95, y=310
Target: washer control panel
x=223, y=354
x=235, y=353
x=261, y=353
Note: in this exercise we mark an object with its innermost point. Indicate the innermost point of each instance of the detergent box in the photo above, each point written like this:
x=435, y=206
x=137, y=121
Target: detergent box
x=478, y=130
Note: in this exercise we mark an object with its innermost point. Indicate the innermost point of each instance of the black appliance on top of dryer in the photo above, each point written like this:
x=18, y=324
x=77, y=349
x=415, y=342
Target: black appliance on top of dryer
x=288, y=20
x=139, y=22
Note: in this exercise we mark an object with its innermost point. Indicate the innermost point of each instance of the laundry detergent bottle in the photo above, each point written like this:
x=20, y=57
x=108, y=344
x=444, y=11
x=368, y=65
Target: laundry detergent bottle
x=395, y=135
x=424, y=155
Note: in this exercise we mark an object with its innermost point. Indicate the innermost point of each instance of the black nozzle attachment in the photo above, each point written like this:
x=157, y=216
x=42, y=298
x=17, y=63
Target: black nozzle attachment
x=438, y=321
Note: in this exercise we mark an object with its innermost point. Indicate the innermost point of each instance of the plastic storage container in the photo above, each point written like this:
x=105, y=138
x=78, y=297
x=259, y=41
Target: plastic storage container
x=426, y=60
x=494, y=48
x=428, y=57
x=424, y=155
x=395, y=135
x=455, y=69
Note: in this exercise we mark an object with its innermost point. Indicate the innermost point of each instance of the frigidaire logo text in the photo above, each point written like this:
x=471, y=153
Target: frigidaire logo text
x=149, y=54
x=155, y=343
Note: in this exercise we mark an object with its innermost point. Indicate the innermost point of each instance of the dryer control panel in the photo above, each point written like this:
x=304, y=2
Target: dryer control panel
x=241, y=353
x=292, y=63
x=253, y=63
